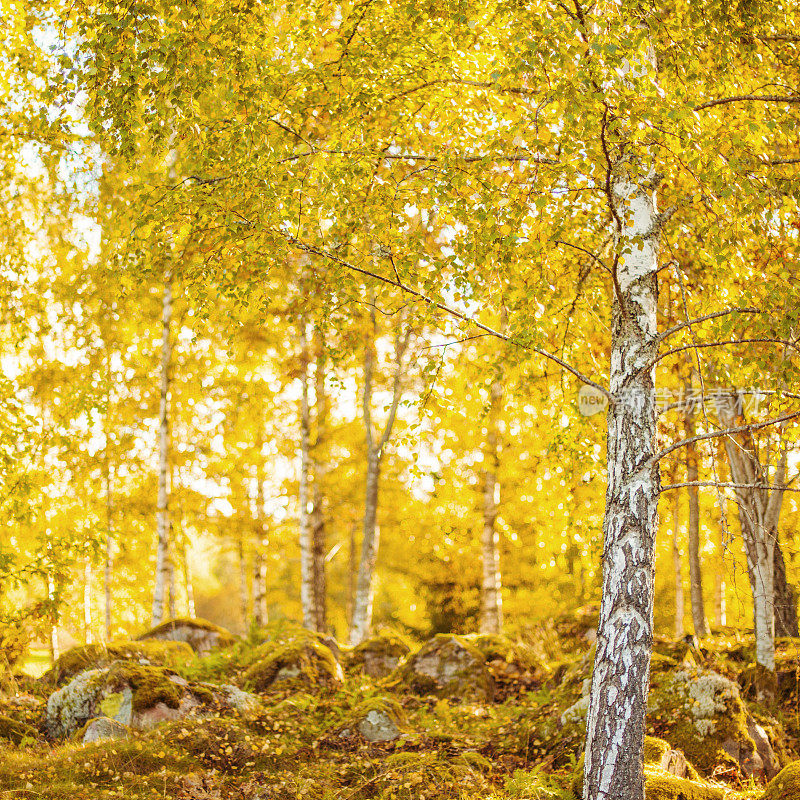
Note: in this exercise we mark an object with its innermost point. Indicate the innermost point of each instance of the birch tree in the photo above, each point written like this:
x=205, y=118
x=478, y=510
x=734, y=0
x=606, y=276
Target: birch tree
x=491, y=588
x=759, y=497
x=163, y=555
x=375, y=446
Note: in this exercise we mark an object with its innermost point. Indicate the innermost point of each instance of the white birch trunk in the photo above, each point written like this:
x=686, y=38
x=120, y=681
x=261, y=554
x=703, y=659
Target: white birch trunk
x=186, y=563
x=306, y=554
x=759, y=505
x=162, y=515
x=319, y=469
x=620, y=681
x=491, y=589
x=362, y=607
x=108, y=566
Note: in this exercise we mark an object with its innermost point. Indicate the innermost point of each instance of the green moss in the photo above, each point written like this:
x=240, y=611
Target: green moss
x=150, y=685
x=15, y=731
x=92, y=656
x=660, y=785
x=307, y=664
x=654, y=749
x=785, y=785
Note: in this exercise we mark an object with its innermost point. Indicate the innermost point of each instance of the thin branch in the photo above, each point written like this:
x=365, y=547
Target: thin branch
x=753, y=426
x=722, y=485
x=689, y=322
x=587, y=252
x=307, y=248
x=722, y=343
x=764, y=98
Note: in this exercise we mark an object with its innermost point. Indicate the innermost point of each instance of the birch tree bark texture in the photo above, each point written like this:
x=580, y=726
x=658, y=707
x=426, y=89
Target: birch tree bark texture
x=307, y=594
x=163, y=556
x=613, y=765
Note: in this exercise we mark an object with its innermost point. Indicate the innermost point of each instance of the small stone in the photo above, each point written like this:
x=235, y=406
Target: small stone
x=104, y=728
x=378, y=726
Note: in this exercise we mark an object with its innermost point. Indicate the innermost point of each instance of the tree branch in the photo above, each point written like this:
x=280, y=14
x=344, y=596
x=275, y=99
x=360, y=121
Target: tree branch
x=311, y=249
x=753, y=426
x=764, y=98
x=689, y=322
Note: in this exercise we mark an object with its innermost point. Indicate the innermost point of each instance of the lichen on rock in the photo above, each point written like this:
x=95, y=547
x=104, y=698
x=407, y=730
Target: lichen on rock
x=132, y=694
x=701, y=712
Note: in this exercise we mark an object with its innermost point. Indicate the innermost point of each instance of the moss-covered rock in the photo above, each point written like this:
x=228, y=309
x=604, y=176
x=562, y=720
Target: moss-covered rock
x=100, y=728
x=785, y=785
x=446, y=666
x=95, y=656
x=132, y=694
x=701, y=713
x=202, y=636
x=377, y=656
x=307, y=665
x=16, y=731
x=660, y=785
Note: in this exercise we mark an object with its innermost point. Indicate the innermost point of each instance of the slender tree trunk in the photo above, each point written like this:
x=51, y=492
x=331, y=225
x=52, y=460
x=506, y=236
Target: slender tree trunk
x=108, y=567
x=87, y=601
x=785, y=598
x=720, y=610
x=51, y=594
x=243, y=598
x=618, y=701
x=260, y=612
x=491, y=593
x=319, y=468
x=759, y=505
x=162, y=515
x=352, y=573
x=186, y=567
x=307, y=594
x=173, y=592
x=676, y=564
x=362, y=607
x=695, y=572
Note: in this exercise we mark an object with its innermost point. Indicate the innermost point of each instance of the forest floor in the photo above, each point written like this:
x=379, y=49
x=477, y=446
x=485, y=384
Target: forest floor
x=461, y=717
